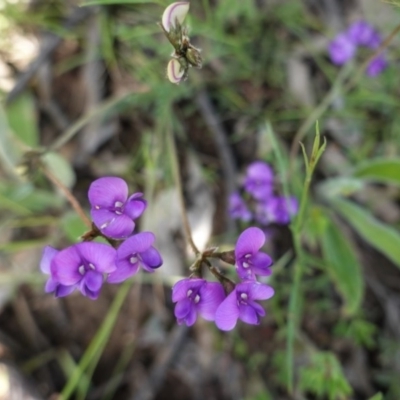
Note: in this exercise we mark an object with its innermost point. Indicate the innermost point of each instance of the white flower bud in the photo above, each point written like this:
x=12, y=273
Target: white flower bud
x=174, y=12
x=175, y=71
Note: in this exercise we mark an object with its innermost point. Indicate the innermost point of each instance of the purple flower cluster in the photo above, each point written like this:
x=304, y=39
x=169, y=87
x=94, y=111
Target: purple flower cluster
x=266, y=207
x=195, y=296
x=87, y=265
x=344, y=46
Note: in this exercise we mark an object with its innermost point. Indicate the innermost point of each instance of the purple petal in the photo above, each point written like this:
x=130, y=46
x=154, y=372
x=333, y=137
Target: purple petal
x=180, y=289
x=261, y=263
x=261, y=171
x=105, y=192
x=362, y=33
x=249, y=242
x=135, y=206
x=237, y=208
x=101, y=255
x=376, y=66
x=135, y=244
x=65, y=265
x=151, y=259
x=191, y=317
x=341, y=49
x=93, y=280
x=183, y=308
x=212, y=295
x=47, y=256
x=51, y=285
x=63, y=290
x=245, y=273
x=125, y=269
x=259, y=291
x=93, y=295
x=227, y=313
x=113, y=225
x=248, y=315
x=257, y=308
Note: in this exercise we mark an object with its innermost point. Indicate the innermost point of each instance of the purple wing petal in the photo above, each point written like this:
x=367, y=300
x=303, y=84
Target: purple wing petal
x=135, y=244
x=227, y=313
x=65, y=265
x=212, y=295
x=341, y=49
x=125, y=269
x=180, y=289
x=151, y=259
x=102, y=218
x=135, y=206
x=261, y=263
x=191, y=317
x=105, y=192
x=249, y=242
x=119, y=228
x=93, y=295
x=47, y=256
x=51, y=285
x=93, y=280
x=100, y=255
x=259, y=291
x=257, y=308
x=249, y=315
x=63, y=290
x=183, y=308
x=245, y=273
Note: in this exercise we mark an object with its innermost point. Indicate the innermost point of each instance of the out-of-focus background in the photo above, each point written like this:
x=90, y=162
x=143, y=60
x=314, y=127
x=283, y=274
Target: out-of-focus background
x=86, y=81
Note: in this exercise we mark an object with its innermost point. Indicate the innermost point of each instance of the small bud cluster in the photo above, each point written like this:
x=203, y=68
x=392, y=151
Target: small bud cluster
x=225, y=302
x=87, y=265
x=185, y=54
x=263, y=207
x=344, y=46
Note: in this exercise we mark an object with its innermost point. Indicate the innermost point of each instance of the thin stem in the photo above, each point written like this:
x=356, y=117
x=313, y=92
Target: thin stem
x=178, y=182
x=70, y=197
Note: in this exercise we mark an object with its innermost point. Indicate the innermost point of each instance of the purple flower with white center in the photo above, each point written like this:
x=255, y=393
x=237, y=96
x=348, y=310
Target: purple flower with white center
x=112, y=211
x=83, y=264
x=237, y=208
x=259, y=180
x=196, y=296
x=135, y=252
x=376, y=65
x=241, y=304
x=342, y=49
x=277, y=209
x=363, y=34
x=52, y=286
x=249, y=260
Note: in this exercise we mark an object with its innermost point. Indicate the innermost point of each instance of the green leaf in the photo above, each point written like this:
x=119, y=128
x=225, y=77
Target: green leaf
x=378, y=396
x=61, y=168
x=22, y=118
x=73, y=227
x=380, y=170
x=381, y=236
x=343, y=267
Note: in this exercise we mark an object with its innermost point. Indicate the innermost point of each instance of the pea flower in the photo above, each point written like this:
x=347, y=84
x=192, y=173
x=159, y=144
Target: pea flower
x=259, y=180
x=196, y=296
x=277, y=209
x=135, y=252
x=83, y=264
x=361, y=33
x=52, y=286
x=175, y=12
x=175, y=72
x=342, y=49
x=237, y=208
x=241, y=304
x=376, y=65
x=249, y=260
x=112, y=211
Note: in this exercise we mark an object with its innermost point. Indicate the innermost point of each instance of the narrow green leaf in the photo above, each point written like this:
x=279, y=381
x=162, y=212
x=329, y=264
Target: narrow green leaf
x=378, y=396
x=381, y=236
x=343, y=266
x=61, y=168
x=380, y=170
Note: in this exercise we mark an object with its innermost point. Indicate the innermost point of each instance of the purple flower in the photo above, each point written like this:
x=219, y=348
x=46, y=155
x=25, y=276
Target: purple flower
x=363, y=34
x=341, y=49
x=259, y=180
x=83, y=264
x=112, y=211
x=135, y=252
x=238, y=208
x=241, y=304
x=376, y=65
x=196, y=296
x=52, y=285
x=249, y=260
x=277, y=209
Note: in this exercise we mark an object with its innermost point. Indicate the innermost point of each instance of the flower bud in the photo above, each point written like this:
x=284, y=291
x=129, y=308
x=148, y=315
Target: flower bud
x=175, y=71
x=175, y=12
